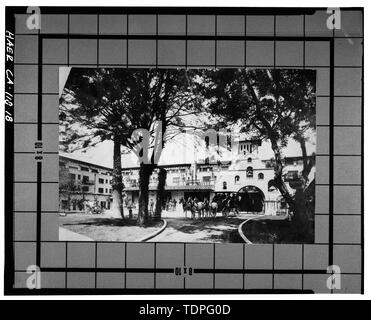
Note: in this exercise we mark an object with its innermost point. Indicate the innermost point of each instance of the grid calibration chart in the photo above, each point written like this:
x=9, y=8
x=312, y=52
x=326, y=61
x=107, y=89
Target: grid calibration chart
x=286, y=38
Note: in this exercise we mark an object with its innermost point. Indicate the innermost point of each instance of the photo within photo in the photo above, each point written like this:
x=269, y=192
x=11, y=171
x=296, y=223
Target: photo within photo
x=187, y=155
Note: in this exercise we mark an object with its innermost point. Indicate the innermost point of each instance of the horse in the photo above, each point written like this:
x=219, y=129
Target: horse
x=206, y=208
x=214, y=208
x=202, y=208
x=230, y=204
x=187, y=206
x=224, y=204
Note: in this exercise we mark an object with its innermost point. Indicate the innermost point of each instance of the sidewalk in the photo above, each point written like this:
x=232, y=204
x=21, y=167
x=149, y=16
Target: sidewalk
x=67, y=235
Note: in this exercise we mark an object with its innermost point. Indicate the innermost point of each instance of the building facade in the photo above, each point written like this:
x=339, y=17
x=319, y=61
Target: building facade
x=247, y=175
x=83, y=185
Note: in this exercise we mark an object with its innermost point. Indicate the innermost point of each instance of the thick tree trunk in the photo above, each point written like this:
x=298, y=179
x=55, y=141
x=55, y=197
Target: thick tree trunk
x=304, y=196
x=145, y=171
x=297, y=204
x=278, y=180
x=117, y=185
x=160, y=192
x=307, y=162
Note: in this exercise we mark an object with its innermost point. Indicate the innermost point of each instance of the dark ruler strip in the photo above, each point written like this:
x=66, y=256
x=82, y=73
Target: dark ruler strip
x=181, y=10
x=38, y=213
x=196, y=270
x=126, y=257
x=274, y=42
x=362, y=169
x=216, y=42
x=331, y=151
x=184, y=263
x=9, y=163
x=243, y=264
x=183, y=37
x=302, y=266
x=141, y=291
x=156, y=41
x=108, y=270
x=95, y=263
x=68, y=40
x=127, y=41
x=98, y=41
x=186, y=41
x=66, y=265
x=213, y=266
x=261, y=271
x=155, y=265
x=39, y=89
x=272, y=266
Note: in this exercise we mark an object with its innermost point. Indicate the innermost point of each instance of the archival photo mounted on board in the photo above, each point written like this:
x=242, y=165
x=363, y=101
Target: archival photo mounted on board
x=187, y=155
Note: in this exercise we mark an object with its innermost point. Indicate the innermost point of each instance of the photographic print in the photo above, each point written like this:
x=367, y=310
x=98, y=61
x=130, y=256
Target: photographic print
x=187, y=155
x=172, y=150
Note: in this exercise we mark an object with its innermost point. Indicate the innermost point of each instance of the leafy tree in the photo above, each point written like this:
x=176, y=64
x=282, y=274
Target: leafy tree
x=139, y=109
x=163, y=100
x=92, y=111
x=272, y=104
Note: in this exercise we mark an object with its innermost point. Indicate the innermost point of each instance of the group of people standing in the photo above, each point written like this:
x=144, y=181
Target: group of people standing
x=169, y=205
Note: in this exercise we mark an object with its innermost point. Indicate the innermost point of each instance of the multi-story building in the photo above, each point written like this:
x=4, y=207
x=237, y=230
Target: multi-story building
x=247, y=174
x=83, y=184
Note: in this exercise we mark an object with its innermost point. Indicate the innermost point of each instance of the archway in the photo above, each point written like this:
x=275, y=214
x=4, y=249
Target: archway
x=251, y=199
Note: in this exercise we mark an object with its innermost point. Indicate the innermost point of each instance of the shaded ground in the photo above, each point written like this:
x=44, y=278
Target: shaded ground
x=275, y=229
x=105, y=228
x=209, y=230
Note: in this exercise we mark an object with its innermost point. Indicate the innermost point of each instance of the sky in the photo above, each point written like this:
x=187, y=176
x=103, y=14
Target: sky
x=177, y=151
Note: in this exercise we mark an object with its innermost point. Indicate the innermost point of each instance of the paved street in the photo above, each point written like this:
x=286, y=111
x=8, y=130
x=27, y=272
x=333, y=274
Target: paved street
x=181, y=229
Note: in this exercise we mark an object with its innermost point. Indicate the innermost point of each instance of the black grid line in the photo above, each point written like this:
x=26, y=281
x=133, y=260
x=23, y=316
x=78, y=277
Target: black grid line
x=362, y=170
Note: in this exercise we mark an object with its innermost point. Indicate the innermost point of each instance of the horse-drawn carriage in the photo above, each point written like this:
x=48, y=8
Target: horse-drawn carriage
x=204, y=209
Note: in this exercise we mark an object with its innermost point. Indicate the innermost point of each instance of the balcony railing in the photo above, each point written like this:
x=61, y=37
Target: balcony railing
x=87, y=182
x=192, y=182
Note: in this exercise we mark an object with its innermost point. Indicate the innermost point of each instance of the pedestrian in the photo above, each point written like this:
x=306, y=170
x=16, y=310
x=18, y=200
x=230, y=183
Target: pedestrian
x=151, y=207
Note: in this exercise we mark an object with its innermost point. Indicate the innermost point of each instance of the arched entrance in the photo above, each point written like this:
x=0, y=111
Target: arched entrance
x=251, y=199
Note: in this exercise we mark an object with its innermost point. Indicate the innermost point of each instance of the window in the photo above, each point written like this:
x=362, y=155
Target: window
x=271, y=186
x=85, y=189
x=106, y=181
x=84, y=169
x=249, y=160
x=100, y=190
x=103, y=204
x=79, y=177
x=236, y=179
x=85, y=179
x=249, y=172
x=260, y=176
x=110, y=190
x=106, y=190
x=64, y=205
x=206, y=180
x=224, y=185
x=108, y=205
x=94, y=170
x=72, y=176
x=101, y=180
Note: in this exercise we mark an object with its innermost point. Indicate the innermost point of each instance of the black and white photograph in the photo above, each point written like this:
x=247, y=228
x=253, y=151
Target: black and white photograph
x=221, y=155
x=185, y=149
